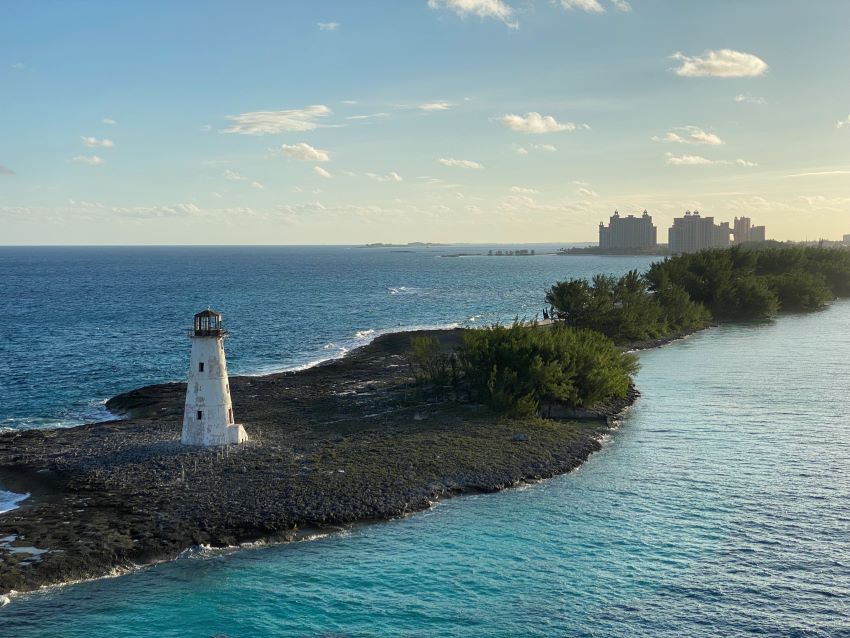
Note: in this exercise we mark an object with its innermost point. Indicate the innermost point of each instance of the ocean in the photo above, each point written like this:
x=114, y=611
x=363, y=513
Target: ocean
x=719, y=507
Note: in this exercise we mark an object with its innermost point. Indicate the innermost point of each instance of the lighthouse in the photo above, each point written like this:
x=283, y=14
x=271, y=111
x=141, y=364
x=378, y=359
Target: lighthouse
x=208, y=417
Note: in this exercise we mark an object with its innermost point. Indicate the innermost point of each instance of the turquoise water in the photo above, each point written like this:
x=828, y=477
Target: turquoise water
x=720, y=507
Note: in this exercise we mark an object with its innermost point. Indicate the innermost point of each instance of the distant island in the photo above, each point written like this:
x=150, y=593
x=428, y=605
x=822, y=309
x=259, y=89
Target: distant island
x=395, y=425
x=412, y=244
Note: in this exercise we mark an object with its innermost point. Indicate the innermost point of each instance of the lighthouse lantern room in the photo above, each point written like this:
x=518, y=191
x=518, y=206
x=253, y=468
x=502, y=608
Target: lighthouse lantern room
x=208, y=417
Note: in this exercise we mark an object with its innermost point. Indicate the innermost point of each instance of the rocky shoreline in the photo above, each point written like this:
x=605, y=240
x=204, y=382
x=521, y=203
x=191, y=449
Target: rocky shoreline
x=351, y=440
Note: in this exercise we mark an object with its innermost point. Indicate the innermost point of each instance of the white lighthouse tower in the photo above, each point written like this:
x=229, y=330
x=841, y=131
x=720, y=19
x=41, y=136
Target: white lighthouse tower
x=208, y=417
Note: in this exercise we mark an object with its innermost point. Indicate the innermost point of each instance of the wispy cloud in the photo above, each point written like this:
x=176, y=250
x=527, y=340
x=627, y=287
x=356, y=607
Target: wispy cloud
x=18, y=66
x=435, y=106
x=327, y=26
x=689, y=135
x=305, y=153
x=109, y=120
x=820, y=173
x=535, y=123
x=723, y=63
x=749, y=99
x=525, y=150
x=274, y=122
x=495, y=9
x=233, y=176
x=591, y=6
x=595, y=6
x=699, y=160
x=368, y=116
x=318, y=170
x=90, y=160
x=843, y=123
x=458, y=163
x=522, y=190
x=392, y=176
x=93, y=142
x=6, y=171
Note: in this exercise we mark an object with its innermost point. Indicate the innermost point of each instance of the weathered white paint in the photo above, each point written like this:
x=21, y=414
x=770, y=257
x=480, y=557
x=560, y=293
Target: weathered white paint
x=208, y=393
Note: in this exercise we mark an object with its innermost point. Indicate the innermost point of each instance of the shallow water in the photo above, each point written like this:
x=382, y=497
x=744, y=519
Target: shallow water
x=721, y=507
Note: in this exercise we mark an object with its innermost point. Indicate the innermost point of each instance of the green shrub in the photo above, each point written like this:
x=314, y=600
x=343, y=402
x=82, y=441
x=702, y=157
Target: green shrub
x=513, y=369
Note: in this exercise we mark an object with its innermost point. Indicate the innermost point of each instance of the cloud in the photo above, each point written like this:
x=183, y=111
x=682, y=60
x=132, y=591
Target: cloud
x=392, y=176
x=274, y=122
x=819, y=174
x=723, y=63
x=749, y=99
x=522, y=150
x=6, y=171
x=698, y=160
x=206, y=128
x=258, y=186
x=544, y=147
x=367, y=117
x=535, y=123
x=322, y=172
x=586, y=192
x=109, y=120
x=595, y=6
x=522, y=190
x=591, y=6
x=435, y=106
x=460, y=163
x=93, y=142
x=327, y=26
x=843, y=123
x=691, y=135
x=495, y=9
x=233, y=176
x=91, y=160
x=18, y=66
x=305, y=153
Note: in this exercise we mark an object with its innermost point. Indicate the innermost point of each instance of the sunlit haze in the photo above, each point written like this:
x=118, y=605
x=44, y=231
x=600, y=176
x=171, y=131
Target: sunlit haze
x=345, y=122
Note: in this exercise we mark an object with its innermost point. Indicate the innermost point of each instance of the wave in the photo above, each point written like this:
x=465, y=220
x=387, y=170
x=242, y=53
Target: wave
x=94, y=412
x=402, y=290
x=11, y=500
x=333, y=352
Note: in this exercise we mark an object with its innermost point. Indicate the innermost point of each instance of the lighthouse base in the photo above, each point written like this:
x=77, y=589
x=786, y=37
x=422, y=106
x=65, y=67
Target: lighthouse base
x=197, y=434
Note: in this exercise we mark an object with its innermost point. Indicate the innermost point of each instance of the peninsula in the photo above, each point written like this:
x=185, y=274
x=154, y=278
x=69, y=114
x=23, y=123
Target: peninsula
x=350, y=440
x=395, y=425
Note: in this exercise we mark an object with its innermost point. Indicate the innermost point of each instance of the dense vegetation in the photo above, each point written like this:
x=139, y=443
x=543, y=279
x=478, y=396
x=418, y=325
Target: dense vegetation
x=513, y=368
x=625, y=309
x=575, y=361
x=688, y=291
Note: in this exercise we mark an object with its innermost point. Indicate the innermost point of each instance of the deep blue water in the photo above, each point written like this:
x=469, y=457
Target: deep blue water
x=79, y=325
x=720, y=507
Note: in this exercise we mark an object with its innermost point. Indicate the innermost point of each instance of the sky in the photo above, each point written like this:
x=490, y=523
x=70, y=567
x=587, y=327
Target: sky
x=354, y=121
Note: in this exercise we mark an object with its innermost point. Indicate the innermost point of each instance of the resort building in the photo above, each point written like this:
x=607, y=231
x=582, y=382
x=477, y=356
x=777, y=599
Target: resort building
x=744, y=231
x=628, y=233
x=692, y=233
